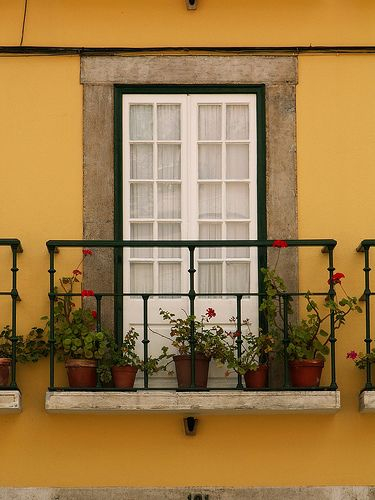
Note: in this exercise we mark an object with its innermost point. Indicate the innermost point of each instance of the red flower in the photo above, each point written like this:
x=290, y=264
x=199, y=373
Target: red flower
x=210, y=313
x=87, y=293
x=280, y=244
x=76, y=272
x=336, y=278
x=86, y=251
x=94, y=314
x=351, y=355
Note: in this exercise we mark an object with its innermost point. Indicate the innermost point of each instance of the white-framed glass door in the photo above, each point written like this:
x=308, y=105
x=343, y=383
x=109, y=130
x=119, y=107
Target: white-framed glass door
x=190, y=173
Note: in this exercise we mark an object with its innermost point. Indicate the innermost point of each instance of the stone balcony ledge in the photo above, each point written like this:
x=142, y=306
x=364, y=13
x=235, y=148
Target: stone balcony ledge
x=10, y=401
x=210, y=402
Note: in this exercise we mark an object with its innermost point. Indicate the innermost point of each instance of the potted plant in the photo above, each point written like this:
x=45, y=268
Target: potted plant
x=208, y=341
x=124, y=362
x=308, y=338
x=77, y=340
x=28, y=349
x=247, y=355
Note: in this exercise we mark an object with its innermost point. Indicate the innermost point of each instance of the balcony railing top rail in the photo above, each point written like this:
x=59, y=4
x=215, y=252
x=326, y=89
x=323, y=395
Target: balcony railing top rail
x=327, y=246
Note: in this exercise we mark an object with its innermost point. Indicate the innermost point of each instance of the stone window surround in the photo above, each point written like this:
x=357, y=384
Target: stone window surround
x=99, y=74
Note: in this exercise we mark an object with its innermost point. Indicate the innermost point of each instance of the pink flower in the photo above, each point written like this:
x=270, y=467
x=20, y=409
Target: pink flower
x=210, y=313
x=351, y=355
x=86, y=251
x=279, y=244
x=76, y=272
x=336, y=278
x=94, y=314
x=87, y=293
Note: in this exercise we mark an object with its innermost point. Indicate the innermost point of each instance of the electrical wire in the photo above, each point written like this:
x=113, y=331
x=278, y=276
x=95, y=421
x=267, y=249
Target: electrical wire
x=23, y=22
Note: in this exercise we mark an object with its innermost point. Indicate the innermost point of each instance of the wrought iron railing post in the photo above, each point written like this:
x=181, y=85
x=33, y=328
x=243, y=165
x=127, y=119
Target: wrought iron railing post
x=14, y=295
x=239, y=338
x=145, y=340
x=332, y=337
x=286, y=340
x=192, y=296
x=52, y=295
x=367, y=296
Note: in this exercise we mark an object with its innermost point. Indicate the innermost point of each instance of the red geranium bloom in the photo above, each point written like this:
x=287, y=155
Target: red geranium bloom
x=210, y=313
x=87, y=293
x=351, y=355
x=94, y=314
x=280, y=244
x=336, y=278
x=86, y=251
x=76, y=272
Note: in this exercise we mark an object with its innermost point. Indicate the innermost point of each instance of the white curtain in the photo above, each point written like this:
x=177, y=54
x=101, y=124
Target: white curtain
x=141, y=277
x=238, y=231
x=169, y=161
x=237, y=123
x=141, y=122
x=209, y=161
x=238, y=277
x=208, y=231
x=168, y=121
x=210, y=201
x=141, y=200
x=237, y=200
x=237, y=156
x=209, y=122
x=210, y=277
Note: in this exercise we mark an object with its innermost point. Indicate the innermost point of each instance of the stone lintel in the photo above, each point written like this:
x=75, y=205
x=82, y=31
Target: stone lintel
x=10, y=402
x=188, y=69
x=212, y=402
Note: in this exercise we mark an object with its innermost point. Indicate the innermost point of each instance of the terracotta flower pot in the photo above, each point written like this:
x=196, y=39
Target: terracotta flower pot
x=256, y=379
x=305, y=372
x=5, y=364
x=183, y=370
x=81, y=372
x=124, y=376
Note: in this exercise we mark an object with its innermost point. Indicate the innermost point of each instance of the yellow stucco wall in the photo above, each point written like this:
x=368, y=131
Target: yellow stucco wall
x=41, y=198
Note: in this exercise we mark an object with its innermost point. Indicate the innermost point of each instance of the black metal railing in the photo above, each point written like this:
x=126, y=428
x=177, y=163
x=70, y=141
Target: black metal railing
x=327, y=247
x=365, y=247
x=15, y=247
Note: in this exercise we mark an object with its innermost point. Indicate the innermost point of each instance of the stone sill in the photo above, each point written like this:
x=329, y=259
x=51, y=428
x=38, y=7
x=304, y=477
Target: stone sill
x=10, y=402
x=367, y=402
x=212, y=402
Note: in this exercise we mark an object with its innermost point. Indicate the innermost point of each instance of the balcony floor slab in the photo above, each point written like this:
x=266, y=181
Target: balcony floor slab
x=210, y=402
x=10, y=402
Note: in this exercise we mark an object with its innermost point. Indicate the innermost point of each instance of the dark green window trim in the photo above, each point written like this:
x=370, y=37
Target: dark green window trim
x=119, y=91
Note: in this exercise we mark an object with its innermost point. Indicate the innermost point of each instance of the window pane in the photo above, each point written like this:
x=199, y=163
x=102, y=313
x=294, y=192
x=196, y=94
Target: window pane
x=170, y=278
x=209, y=231
x=209, y=122
x=237, y=201
x=169, y=161
x=141, y=278
x=237, y=161
x=210, y=278
x=238, y=231
x=169, y=231
x=141, y=232
x=169, y=200
x=237, y=121
x=209, y=161
x=141, y=161
x=210, y=201
x=141, y=200
x=169, y=122
x=238, y=277
x=140, y=122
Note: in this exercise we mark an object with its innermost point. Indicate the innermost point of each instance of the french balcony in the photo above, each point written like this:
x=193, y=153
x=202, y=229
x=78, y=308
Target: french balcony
x=204, y=278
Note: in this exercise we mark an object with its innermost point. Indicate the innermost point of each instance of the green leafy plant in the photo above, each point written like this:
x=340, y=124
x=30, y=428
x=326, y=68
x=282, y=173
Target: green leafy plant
x=360, y=359
x=208, y=339
x=254, y=349
x=30, y=348
x=75, y=329
x=308, y=338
